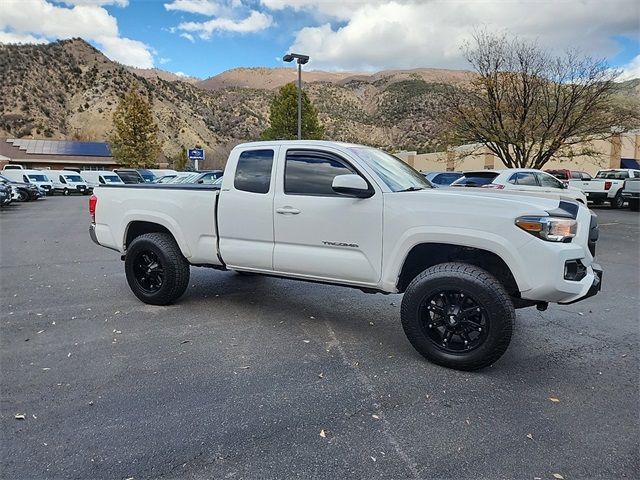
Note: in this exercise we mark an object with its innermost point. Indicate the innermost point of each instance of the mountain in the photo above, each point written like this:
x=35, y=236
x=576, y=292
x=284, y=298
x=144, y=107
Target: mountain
x=68, y=89
x=272, y=78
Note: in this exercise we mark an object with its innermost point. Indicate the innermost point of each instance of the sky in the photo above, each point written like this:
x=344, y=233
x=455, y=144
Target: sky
x=202, y=38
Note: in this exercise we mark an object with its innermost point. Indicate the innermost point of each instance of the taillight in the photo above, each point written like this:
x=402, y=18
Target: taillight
x=93, y=201
x=607, y=185
x=492, y=185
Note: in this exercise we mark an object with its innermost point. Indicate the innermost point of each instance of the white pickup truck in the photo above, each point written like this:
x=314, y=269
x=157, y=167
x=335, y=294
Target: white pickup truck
x=355, y=216
x=607, y=186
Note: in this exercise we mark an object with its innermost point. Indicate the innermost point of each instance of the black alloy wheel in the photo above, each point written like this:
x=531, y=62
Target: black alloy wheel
x=454, y=321
x=148, y=271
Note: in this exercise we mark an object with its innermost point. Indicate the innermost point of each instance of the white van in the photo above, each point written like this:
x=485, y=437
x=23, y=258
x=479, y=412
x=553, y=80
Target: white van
x=68, y=182
x=37, y=177
x=99, y=177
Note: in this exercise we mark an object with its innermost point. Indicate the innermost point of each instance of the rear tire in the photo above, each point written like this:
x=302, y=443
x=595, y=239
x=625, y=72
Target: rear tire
x=617, y=201
x=157, y=272
x=484, y=315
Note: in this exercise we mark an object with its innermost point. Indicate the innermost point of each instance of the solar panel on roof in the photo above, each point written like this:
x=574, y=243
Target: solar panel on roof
x=62, y=147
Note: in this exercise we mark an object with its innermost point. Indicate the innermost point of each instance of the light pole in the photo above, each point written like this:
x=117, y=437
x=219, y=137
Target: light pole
x=301, y=60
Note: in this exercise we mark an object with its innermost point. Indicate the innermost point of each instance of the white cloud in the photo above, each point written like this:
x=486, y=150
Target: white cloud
x=227, y=16
x=181, y=74
x=407, y=33
x=255, y=22
x=10, y=37
x=42, y=19
x=119, y=3
x=202, y=7
x=126, y=51
x=163, y=60
x=631, y=70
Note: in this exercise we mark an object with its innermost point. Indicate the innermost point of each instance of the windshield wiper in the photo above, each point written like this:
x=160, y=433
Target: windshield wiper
x=412, y=189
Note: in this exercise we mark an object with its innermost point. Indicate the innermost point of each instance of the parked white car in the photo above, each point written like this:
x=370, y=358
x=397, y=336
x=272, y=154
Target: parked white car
x=68, y=182
x=25, y=175
x=358, y=217
x=524, y=180
x=99, y=177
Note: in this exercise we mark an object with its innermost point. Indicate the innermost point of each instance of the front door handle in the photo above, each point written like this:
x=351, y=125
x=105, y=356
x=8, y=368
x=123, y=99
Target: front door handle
x=287, y=211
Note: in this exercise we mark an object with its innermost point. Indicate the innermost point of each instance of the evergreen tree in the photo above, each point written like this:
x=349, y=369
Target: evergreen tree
x=283, y=117
x=134, y=142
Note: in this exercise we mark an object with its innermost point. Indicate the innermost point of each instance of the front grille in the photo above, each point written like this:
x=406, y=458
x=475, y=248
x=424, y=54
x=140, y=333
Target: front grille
x=594, y=233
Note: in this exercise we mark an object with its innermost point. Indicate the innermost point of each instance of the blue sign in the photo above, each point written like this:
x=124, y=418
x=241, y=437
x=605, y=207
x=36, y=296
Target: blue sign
x=196, y=154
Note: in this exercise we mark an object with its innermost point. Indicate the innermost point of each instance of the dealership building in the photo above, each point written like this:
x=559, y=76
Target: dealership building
x=614, y=151
x=56, y=154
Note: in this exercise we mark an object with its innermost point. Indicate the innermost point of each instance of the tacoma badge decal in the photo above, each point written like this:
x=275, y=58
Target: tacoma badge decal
x=340, y=244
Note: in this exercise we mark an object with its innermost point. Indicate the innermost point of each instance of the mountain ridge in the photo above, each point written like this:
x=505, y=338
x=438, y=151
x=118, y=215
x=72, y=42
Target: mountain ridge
x=68, y=89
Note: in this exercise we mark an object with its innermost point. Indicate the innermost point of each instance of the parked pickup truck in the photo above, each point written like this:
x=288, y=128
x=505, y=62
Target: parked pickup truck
x=606, y=186
x=355, y=216
x=631, y=193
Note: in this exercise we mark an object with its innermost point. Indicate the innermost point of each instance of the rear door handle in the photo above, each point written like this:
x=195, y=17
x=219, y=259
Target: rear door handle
x=287, y=211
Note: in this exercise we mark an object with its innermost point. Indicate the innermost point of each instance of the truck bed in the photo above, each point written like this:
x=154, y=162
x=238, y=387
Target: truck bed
x=122, y=208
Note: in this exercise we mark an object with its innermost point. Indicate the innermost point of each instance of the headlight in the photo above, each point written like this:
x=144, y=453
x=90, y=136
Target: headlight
x=552, y=229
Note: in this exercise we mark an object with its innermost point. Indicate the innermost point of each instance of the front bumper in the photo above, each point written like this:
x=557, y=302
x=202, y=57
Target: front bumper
x=630, y=195
x=596, y=285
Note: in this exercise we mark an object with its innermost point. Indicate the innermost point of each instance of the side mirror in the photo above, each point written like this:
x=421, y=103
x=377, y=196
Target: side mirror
x=352, y=185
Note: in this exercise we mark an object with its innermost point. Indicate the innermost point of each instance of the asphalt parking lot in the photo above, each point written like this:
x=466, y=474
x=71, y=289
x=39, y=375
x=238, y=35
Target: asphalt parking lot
x=252, y=377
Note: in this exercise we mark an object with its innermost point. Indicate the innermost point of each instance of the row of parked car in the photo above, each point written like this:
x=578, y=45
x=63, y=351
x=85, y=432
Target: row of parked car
x=614, y=186
x=23, y=185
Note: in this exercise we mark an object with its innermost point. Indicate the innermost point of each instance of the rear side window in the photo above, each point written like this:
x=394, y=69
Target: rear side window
x=577, y=175
x=253, y=172
x=312, y=173
x=446, y=178
x=524, y=178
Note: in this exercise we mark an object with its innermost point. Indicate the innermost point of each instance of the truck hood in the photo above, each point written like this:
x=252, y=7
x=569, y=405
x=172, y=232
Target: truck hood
x=542, y=201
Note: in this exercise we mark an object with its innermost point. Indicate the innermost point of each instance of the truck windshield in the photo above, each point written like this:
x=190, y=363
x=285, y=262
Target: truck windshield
x=111, y=178
x=73, y=178
x=612, y=175
x=396, y=174
x=38, y=178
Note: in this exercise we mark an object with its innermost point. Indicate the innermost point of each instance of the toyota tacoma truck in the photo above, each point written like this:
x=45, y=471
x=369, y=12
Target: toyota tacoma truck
x=355, y=216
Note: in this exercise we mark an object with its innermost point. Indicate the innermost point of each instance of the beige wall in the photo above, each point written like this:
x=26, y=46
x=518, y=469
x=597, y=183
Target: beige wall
x=609, y=153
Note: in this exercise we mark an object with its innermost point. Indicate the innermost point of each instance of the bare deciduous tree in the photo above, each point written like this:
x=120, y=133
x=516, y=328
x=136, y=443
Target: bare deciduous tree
x=526, y=105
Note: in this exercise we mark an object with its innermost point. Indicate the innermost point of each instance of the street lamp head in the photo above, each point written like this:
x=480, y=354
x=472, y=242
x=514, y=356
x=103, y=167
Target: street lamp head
x=301, y=59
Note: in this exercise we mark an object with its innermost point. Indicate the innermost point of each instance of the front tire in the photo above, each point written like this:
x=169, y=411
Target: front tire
x=634, y=204
x=65, y=192
x=458, y=316
x=157, y=272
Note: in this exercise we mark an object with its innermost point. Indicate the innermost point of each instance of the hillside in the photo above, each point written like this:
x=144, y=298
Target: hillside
x=68, y=89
